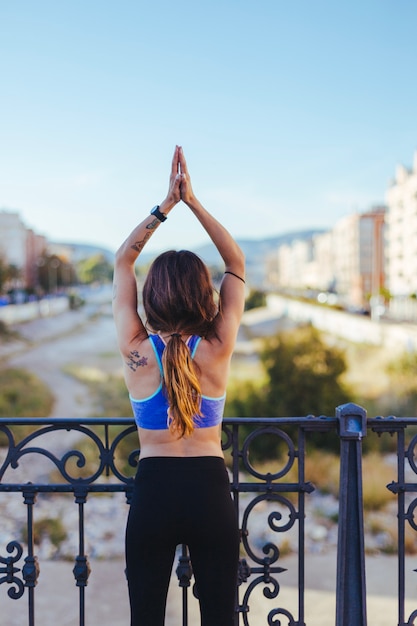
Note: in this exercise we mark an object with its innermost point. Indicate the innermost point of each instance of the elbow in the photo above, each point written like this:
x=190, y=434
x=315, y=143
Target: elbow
x=242, y=256
x=240, y=260
x=120, y=256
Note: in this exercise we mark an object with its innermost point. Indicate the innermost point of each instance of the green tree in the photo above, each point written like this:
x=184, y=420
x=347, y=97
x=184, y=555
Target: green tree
x=8, y=273
x=302, y=377
x=3, y=274
x=304, y=374
x=255, y=299
x=402, y=399
x=95, y=269
x=54, y=273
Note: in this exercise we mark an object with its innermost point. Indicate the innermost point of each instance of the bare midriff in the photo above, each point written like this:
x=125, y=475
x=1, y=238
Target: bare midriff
x=202, y=442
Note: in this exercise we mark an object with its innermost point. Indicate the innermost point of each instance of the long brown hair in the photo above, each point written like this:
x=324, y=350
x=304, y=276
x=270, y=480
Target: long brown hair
x=178, y=298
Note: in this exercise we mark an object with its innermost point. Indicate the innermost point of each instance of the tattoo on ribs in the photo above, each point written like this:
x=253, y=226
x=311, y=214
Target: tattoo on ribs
x=135, y=360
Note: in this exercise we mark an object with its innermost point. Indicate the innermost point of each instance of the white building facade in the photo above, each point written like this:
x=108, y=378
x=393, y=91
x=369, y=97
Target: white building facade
x=13, y=237
x=21, y=247
x=347, y=260
x=401, y=235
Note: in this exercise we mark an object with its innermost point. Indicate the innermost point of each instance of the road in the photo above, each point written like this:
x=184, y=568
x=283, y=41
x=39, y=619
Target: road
x=48, y=345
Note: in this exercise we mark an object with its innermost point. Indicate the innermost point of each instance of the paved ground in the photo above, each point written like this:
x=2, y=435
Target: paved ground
x=48, y=344
x=56, y=601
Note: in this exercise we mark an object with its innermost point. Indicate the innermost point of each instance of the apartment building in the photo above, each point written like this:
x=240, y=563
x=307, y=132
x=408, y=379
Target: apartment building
x=293, y=259
x=349, y=259
x=303, y=264
x=35, y=247
x=358, y=256
x=401, y=237
x=13, y=235
x=20, y=246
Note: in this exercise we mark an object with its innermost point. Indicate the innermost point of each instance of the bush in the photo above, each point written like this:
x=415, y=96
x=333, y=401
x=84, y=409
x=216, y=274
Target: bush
x=23, y=394
x=376, y=476
x=51, y=527
x=403, y=388
x=255, y=299
x=302, y=377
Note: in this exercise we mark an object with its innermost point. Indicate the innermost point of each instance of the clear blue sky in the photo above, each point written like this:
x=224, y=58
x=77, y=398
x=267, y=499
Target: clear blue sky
x=291, y=114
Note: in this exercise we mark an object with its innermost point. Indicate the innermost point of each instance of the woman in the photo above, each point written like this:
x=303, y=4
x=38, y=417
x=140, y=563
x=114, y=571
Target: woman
x=176, y=375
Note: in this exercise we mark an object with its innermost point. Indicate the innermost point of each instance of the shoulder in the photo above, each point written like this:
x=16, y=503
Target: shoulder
x=142, y=368
x=212, y=349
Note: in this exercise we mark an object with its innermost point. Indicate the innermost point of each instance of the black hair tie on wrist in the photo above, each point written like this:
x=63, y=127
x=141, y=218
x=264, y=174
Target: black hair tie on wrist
x=236, y=276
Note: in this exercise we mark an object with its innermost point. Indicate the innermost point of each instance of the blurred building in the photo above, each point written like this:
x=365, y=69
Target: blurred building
x=347, y=260
x=13, y=236
x=303, y=264
x=35, y=247
x=358, y=257
x=20, y=247
x=401, y=239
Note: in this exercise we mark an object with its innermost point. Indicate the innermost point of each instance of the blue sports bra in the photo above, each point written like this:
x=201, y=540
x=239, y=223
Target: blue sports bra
x=152, y=412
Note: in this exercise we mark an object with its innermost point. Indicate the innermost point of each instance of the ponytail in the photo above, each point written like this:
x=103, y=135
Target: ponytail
x=181, y=385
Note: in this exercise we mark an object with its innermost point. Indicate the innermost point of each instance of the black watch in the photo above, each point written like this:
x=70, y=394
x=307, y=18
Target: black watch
x=157, y=213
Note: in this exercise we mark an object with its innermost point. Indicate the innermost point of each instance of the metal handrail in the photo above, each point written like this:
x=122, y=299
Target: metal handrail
x=285, y=496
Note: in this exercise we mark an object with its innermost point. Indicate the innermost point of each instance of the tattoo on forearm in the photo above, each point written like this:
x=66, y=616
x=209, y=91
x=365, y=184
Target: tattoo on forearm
x=138, y=245
x=135, y=360
x=153, y=225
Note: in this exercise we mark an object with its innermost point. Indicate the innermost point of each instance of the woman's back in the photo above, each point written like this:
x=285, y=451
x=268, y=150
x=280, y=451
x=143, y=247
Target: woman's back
x=146, y=390
x=179, y=301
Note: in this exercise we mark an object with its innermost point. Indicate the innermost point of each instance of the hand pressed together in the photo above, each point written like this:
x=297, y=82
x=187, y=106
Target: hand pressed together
x=174, y=193
x=186, y=190
x=179, y=181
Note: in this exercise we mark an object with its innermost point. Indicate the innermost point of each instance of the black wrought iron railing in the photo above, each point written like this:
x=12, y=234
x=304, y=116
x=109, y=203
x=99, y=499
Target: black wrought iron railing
x=93, y=456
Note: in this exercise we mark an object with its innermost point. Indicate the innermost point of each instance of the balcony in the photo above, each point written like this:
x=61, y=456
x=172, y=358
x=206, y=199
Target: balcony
x=81, y=460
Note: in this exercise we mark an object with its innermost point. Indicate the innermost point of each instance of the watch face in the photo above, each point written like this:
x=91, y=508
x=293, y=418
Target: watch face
x=155, y=211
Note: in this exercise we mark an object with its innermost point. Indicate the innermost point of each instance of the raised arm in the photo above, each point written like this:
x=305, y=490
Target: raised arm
x=232, y=290
x=129, y=326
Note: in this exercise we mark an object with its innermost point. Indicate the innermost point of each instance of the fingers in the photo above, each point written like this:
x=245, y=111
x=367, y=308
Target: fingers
x=175, y=162
x=182, y=161
x=177, y=181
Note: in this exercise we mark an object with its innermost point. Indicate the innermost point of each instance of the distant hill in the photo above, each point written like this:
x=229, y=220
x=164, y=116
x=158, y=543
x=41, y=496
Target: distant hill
x=255, y=250
x=80, y=251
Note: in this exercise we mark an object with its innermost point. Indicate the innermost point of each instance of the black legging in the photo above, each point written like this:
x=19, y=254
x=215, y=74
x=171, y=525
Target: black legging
x=182, y=500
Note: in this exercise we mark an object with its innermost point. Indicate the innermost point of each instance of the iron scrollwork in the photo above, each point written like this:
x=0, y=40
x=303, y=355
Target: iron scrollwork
x=10, y=570
x=100, y=449
x=264, y=568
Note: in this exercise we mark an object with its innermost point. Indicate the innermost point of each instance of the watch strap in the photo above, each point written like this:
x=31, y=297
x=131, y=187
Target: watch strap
x=157, y=213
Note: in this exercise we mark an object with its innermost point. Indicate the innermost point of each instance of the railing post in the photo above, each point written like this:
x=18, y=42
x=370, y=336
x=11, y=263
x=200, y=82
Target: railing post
x=30, y=569
x=351, y=584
